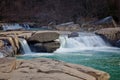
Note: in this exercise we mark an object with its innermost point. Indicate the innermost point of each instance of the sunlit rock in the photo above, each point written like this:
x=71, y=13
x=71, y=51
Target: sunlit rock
x=47, y=69
x=112, y=34
x=44, y=36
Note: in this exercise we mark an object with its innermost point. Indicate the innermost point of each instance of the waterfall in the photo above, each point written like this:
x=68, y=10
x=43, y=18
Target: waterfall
x=15, y=26
x=85, y=41
x=25, y=46
x=11, y=26
x=27, y=51
x=26, y=26
x=91, y=41
x=1, y=55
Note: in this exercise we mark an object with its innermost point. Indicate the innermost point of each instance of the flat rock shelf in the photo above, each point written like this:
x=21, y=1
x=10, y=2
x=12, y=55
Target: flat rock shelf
x=47, y=69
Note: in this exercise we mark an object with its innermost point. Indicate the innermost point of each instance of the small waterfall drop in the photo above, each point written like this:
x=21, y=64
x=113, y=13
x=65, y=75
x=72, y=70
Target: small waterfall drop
x=91, y=40
x=27, y=51
x=11, y=26
x=26, y=26
x=15, y=26
x=85, y=41
x=1, y=55
x=25, y=46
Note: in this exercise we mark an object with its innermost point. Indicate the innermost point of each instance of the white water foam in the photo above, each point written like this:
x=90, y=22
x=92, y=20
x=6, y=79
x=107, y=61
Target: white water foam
x=11, y=26
x=27, y=50
x=85, y=41
x=25, y=46
x=14, y=26
x=38, y=54
x=1, y=55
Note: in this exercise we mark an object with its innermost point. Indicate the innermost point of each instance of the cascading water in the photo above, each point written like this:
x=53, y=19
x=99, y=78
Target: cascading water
x=25, y=46
x=85, y=41
x=27, y=51
x=91, y=40
x=14, y=26
x=1, y=55
x=26, y=26
x=11, y=26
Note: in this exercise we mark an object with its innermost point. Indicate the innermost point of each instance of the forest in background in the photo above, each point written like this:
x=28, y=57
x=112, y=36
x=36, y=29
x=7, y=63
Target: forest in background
x=59, y=11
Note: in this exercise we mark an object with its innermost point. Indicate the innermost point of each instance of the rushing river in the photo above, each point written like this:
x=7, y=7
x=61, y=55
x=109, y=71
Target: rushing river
x=89, y=50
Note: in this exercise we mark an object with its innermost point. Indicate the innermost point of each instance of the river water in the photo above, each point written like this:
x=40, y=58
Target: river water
x=87, y=49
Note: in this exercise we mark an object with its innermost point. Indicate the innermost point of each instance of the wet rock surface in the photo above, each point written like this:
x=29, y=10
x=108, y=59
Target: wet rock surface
x=47, y=69
x=73, y=34
x=45, y=47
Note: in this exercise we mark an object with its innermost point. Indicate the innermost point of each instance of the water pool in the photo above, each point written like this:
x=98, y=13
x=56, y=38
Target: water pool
x=102, y=60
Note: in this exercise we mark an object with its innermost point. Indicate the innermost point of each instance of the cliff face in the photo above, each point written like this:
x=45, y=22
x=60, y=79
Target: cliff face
x=45, y=11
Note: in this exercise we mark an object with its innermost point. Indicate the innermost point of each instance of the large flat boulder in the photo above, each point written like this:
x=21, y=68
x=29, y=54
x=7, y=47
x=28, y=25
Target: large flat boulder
x=47, y=69
x=44, y=36
x=112, y=34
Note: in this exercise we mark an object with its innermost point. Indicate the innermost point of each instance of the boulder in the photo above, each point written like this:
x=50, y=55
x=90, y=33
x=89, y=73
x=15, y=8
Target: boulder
x=47, y=69
x=44, y=36
x=112, y=34
x=51, y=46
x=6, y=49
x=107, y=22
x=73, y=34
x=70, y=26
x=45, y=47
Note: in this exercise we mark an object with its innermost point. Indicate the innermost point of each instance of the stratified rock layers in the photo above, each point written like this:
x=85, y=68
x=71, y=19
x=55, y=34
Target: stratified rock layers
x=47, y=69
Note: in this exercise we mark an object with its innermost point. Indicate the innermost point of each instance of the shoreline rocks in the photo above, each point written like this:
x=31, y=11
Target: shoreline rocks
x=91, y=26
x=47, y=69
x=112, y=34
x=44, y=41
x=46, y=38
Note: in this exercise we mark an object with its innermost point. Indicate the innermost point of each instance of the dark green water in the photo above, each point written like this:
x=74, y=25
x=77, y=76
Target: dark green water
x=106, y=61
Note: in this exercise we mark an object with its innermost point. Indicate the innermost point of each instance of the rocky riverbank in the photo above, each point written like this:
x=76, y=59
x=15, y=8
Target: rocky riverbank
x=47, y=41
x=47, y=69
x=40, y=41
x=111, y=34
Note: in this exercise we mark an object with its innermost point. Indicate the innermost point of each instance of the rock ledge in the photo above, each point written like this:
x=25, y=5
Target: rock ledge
x=47, y=69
